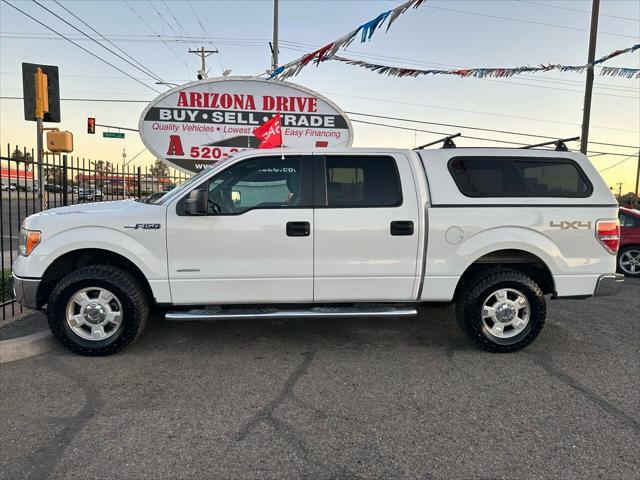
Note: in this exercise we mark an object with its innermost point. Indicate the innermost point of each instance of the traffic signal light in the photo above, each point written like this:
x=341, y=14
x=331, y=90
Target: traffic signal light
x=91, y=125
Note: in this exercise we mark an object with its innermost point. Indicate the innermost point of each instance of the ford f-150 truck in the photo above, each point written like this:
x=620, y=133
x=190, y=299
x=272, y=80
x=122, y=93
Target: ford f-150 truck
x=334, y=233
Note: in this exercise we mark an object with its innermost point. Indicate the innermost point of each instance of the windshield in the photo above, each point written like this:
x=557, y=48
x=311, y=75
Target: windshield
x=178, y=190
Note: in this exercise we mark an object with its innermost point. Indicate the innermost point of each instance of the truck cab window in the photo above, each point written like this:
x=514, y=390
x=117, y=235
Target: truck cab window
x=519, y=177
x=362, y=181
x=259, y=183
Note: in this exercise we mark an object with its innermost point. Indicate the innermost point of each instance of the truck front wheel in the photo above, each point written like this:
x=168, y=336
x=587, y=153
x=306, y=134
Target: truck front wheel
x=501, y=310
x=97, y=310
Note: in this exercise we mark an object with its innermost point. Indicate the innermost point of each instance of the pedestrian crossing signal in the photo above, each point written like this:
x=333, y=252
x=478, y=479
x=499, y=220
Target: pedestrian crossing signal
x=91, y=125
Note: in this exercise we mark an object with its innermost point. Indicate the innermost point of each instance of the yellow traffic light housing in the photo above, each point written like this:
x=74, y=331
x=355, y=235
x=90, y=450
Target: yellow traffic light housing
x=42, y=93
x=59, y=142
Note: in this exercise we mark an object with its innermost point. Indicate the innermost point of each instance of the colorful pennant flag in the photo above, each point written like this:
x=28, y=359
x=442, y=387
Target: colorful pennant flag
x=327, y=52
x=499, y=72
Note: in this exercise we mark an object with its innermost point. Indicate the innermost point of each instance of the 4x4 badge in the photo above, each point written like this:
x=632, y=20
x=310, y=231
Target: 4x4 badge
x=144, y=226
x=567, y=225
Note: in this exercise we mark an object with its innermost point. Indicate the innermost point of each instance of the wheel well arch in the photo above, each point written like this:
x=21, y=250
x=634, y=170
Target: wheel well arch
x=514, y=259
x=76, y=259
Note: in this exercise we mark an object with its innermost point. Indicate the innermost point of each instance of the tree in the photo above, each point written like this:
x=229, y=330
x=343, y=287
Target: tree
x=103, y=169
x=22, y=156
x=159, y=169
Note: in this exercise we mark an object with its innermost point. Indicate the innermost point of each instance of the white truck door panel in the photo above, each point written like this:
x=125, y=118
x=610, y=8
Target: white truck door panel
x=356, y=256
x=246, y=253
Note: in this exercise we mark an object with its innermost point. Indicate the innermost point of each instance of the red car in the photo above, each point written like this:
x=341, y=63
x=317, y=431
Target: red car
x=629, y=253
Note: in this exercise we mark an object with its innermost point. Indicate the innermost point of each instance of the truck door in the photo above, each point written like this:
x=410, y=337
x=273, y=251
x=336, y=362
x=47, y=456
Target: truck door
x=255, y=245
x=366, y=228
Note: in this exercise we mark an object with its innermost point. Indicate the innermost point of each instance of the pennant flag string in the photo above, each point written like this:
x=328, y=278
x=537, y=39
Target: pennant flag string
x=502, y=72
x=327, y=52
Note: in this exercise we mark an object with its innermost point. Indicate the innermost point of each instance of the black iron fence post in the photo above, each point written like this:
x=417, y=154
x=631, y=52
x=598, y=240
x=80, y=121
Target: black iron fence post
x=139, y=183
x=65, y=181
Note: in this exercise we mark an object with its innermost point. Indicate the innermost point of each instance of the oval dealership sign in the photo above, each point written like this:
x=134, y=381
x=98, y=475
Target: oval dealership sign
x=200, y=123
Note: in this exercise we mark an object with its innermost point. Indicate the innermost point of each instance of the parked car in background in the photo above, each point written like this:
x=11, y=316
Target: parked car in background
x=5, y=186
x=629, y=253
x=153, y=197
x=90, y=195
x=52, y=188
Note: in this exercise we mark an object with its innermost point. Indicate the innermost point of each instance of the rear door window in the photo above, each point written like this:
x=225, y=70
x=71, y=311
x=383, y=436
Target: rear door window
x=518, y=177
x=362, y=181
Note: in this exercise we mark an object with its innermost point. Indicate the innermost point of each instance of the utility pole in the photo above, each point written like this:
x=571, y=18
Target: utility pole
x=586, y=112
x=274, y=45
x=202, y=73
x=619, y=184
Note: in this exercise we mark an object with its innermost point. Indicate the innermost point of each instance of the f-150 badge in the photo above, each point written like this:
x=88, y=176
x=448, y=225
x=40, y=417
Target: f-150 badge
x=567, y=225
x=144, y=226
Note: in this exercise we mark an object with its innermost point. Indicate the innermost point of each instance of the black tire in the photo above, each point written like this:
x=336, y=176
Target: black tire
x=470, y=301
x=621, y=252
x=134, y=301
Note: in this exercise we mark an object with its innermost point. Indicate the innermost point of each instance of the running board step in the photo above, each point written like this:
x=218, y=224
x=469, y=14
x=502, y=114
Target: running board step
x=217, y=313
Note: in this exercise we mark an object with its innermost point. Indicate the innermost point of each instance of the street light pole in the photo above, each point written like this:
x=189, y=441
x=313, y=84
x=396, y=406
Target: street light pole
x=586, y=112
x=274, y=46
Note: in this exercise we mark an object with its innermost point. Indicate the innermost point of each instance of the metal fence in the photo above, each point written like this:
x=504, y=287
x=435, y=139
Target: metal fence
x=29, y=186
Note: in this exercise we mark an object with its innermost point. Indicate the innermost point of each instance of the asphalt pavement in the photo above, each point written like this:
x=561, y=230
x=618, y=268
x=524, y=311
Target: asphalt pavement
x=368, y=398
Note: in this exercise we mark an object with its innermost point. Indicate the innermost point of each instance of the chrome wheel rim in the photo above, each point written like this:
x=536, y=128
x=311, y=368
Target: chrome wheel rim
x=505, y=313
x=94, y=313
x=630, y=262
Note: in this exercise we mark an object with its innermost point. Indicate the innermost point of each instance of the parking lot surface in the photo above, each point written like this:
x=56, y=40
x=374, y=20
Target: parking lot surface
x=336, y=399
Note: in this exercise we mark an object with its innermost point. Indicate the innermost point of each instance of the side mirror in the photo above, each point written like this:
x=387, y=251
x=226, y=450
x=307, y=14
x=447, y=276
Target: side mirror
x=196, y=203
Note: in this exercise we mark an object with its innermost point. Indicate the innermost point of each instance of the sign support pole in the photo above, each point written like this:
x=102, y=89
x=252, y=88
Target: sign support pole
x=274, y=55
x=41, y=107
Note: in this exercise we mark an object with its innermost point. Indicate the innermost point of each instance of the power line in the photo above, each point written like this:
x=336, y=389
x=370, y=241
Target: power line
x=79, y=46
x=621, y=161
x=479, y=112
x=175, y=19
x=205, y=32
x=155, y=33
x=578, y=10
x=120, y=100
x=506, y=132
x=465, y=136
x=104, y=100
x=147, y=70
x=532, y=22
x=92, y=39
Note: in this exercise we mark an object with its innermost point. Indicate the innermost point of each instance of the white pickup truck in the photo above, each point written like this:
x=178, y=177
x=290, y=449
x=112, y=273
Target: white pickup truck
x=337, y=233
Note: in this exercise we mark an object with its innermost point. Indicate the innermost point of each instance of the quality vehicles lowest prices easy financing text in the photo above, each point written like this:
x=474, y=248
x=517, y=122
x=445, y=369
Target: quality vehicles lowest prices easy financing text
x=336, y=233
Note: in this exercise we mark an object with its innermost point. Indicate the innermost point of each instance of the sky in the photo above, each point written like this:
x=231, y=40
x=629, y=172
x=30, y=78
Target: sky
x=442, y=34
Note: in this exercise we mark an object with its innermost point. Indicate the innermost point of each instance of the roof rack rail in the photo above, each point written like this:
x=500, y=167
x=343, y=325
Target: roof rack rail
x=447, y=142
x=560, y=144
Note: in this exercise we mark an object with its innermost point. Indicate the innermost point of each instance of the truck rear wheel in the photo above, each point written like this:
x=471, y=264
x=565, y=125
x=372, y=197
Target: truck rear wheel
x=501, y=310
x=97, y=310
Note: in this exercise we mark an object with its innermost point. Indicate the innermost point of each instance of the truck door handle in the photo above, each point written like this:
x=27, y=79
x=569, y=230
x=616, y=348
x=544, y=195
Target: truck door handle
x=402, y=228
x=298, y=229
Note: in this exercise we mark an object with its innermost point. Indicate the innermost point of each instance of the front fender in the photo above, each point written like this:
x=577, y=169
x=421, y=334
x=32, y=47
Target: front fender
x=147, y=249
